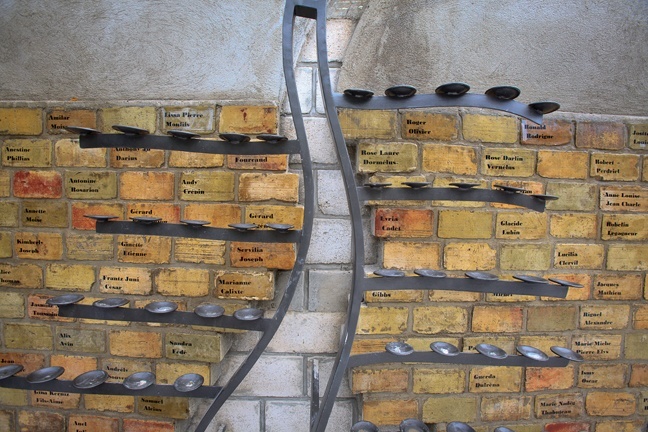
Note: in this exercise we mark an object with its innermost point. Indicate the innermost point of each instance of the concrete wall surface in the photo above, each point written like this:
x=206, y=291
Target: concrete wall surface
x=587, y=55
x=59, y=50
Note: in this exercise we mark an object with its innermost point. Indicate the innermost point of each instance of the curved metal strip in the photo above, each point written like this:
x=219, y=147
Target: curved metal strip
x=462, y=358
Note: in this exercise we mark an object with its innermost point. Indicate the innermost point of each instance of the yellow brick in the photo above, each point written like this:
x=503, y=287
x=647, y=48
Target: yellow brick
x=199, y=119
x=405, y=296
x=624, y=227
x=379, y=380
x=572, y=196
x=540, y=378
x=410, y=255
x=269, y=255
x=382, y=320
x=497, y=319
x=258, y=162
x=610, y=403
x=12, y=305
x=245, y=285
x=166, y=372
x=530, y=187
x=196, y=347
x=171, y=407
x=182, y=282
x=153, y=186
x=264, y=214
x=125, y=280
x=573, y=225
x=142, y=117
x=367, y=123
x=581, y=256
x=637, y=138
x=89, y=247
x=135, y=344
x=28, y=336
x=96, y=402
x=21, y=276
x=529, y=256
x=91, y=185
x=136, y=158
x=598, y=346
x=619, y=426
x=550, y=133
x=504, y=162
x=627, y=199
x=439, y=381
x=604, y=376
x=465, y=224
x=450, y=408
x=495, y=379
x=218, y=215
x=248, y=119
x=9, y=214
x=199, y=251
x=440, y=158
x=507, y=408
x=601, y=135
x=491, y=129
x=41, y=214
x=562, y=164
x=264, y=187
x=627, y=257
x=69, y=277
x=179, y=159
x=469, y=256
x=5, y=245
x=440, y=319
x=551, y=318
x=389, y=412
x=5, y=183
x=27, y=153
x=21, y=121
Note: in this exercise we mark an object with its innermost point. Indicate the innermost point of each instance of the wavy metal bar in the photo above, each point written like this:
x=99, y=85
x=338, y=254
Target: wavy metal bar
x=64, y=386
x=461, y=358
x=468, y=100
x=454, y=194
x=176, y=317
x=193, y=145
x=464, y=284
x=207, y=233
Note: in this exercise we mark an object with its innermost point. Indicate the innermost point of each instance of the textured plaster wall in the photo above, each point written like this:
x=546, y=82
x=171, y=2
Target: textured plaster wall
x=588, y=55
x=131, y=49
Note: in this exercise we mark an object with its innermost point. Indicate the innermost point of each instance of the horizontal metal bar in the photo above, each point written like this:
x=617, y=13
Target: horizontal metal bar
x=468, y=100
x=450, y=194
x=206, y=233
x=176, y=317
x=463, y=284
x=63, y=386
x=194, y=145
x=462, y=358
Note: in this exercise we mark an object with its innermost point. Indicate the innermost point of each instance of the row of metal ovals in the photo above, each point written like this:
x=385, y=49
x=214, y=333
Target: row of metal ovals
x=456, y=89
x=415, y=425
x=136, y=381
x=205, y=310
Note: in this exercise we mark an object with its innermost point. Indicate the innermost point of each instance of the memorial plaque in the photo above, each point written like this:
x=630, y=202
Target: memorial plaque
x=625, y=227
x=616, y=167
x=269, y=255
x=124, y=157
x=507, y=343
x=47, y=214
x=21, y=276
x=245, y=286
x=172, y=407
x=85, y=423
x=199, y=119
x=120, y=369
x=58, y=120
x=143, y=249
x=408, y=223
x=196, y=347
x=516, y=226
x=206, y=186
x=638, y=138
x=408, y=296
x=260, y=162
x=494, y=379
x=505, y=162
x=41, y=245
x=265, y=214
x=530, y=187
x=604, y=317
x=168, y=212
x=561, y=405
x=30, y=362
x=79, y=340
x=581, y=256
x=27, y=153
x=602, y=375
x=125, y=280
x=598, y=346
x=392, y=157
x=629, y=199
x=421, y=125
x=549, y=133
x=91, y=185
x=60, y=400
x=617, y=286
x=37, y=308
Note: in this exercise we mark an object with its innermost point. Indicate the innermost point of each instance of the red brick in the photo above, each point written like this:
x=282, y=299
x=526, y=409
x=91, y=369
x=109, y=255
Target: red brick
x=81, y=209
x=567, y=427
x=38, y=184
x=40, y=421
x=133, y=425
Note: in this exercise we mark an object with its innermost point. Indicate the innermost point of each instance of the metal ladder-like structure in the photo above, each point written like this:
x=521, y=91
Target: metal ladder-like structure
x=402, y=97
